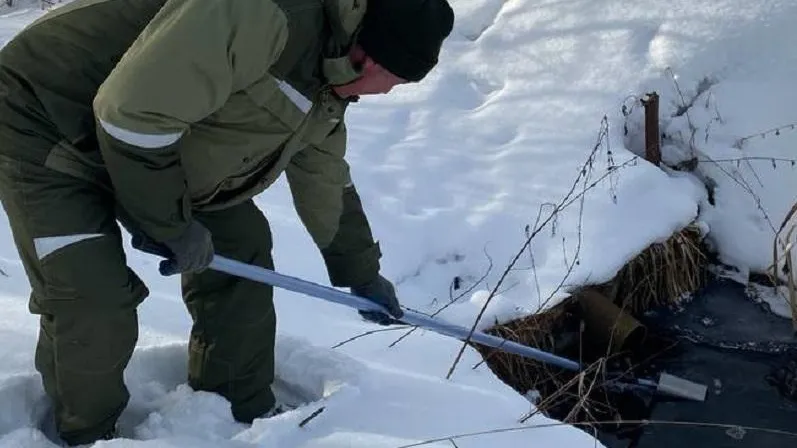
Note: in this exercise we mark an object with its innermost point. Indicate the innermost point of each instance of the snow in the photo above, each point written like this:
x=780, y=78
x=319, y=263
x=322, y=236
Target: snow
x=454, y=172
x=775, y=299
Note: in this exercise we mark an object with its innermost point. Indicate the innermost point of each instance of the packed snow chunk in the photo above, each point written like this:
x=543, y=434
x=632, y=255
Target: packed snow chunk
x=169, y=408
x=360, y=440
x=383, y=403
x=307, y=378
x=170, y=442
x=22, y=402
x=310, y=373
x=26, y=438
x=153, y=371
x=185, y=412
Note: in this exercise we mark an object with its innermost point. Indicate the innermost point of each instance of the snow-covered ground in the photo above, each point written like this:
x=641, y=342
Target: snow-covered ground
x=454, y=173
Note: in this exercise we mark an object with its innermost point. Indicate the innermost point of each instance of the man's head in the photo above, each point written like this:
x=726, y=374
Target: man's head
x=399, y=42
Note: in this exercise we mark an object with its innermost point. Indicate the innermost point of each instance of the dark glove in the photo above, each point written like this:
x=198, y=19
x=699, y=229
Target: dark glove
x=192, y=251
x=382, y=292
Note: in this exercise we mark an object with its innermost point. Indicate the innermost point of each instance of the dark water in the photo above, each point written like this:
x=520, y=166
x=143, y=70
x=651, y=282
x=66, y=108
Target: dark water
x=732, y=345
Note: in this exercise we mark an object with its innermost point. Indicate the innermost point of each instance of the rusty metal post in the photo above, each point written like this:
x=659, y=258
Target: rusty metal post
x=652, y=135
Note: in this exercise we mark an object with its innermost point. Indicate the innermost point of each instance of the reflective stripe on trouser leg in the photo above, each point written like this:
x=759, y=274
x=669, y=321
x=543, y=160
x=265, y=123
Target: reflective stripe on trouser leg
x=232, y=340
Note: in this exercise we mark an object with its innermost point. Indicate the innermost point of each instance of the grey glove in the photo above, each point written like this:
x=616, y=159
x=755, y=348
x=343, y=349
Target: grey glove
x=192, y=251
x=382, y=292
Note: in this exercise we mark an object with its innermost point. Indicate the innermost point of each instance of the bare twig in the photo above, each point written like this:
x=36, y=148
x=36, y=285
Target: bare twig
x=309, y=418
x=576, y=259
x=595, y=367
x=755, y=158
x=531, y=256
x=452, y=301
x=590, y=424
x=684, y=110
x=368, y=333
x=763, y=134
x=749, y=189
x=568, y=199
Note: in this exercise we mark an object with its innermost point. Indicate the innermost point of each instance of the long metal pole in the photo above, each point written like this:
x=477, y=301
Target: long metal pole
x=263, y=275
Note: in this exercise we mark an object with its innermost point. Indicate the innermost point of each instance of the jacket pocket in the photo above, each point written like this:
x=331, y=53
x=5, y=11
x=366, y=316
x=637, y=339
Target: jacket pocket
x=66, y=158
x=324, y=120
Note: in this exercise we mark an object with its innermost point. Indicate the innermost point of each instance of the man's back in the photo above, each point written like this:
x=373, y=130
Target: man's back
x=56, y=64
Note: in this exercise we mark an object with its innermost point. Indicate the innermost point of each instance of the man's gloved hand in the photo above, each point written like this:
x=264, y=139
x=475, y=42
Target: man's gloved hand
x=192, y=251
x=380, y=291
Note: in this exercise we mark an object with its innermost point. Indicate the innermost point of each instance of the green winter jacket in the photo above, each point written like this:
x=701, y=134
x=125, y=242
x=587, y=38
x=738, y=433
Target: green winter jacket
x=200, y=105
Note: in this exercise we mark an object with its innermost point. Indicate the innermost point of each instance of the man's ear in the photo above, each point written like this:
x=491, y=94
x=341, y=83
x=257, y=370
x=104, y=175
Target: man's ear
x=341, y=71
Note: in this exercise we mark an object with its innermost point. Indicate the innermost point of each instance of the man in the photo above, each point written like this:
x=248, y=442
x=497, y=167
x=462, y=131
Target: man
x=169, y=116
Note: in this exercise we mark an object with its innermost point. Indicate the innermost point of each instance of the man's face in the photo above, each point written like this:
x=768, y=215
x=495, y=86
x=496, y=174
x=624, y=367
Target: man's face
x=375, y=79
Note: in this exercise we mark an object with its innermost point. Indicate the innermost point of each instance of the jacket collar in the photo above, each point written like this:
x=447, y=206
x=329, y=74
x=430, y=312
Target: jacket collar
x=344, y=18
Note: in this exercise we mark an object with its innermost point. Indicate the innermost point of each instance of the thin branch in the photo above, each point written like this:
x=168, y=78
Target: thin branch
x=775, y=131
x=531, y=256
x=453, y=301
x=309, y=418
x=684, y=110
x=562, y=390
x=749, y=189
x=568, y=199
x=368, y=333
x=758, y=158
x=589, y=424
x=576, y=259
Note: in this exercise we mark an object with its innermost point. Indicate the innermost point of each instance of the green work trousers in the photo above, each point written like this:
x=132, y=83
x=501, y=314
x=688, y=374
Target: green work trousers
x=66, y=232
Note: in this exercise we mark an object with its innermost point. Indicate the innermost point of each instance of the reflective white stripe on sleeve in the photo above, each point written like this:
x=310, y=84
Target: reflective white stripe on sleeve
x=47, y=245
x=148, y=141
x=297, y=98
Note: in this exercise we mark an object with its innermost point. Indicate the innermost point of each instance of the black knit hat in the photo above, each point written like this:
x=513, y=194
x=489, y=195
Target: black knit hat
x=405, y=36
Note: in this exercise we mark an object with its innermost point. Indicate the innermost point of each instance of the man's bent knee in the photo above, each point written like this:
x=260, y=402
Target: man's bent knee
x=84, y=272
x=88, y=298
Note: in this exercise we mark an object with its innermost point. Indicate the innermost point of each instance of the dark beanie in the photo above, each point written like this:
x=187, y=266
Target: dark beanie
x=405, y=36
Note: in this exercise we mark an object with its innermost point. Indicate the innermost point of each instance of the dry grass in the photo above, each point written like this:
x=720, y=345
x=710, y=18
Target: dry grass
x=536, y=331
x=570, y=396
x=662, y=274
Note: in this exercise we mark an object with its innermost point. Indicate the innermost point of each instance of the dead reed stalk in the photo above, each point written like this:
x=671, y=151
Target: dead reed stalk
x=787, y=260
x=661, y=274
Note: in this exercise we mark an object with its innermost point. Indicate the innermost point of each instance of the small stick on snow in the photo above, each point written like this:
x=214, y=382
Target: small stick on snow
x=312, y=416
